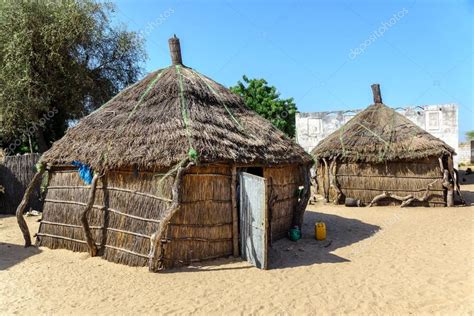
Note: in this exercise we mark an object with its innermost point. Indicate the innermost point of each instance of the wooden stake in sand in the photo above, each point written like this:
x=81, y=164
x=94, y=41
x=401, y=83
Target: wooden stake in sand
x=235, y=214
x=158, y=238
x=21, y=208
x=85, y=224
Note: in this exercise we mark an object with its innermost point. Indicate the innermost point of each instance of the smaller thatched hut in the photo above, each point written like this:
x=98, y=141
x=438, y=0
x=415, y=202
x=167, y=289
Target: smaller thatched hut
x=381, y=157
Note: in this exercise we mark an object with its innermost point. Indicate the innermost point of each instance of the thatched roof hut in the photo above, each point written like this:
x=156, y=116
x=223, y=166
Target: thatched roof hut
x=184, y=169
x=380, y=156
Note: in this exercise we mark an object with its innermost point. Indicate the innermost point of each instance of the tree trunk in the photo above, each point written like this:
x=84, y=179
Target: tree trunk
x=42, y=146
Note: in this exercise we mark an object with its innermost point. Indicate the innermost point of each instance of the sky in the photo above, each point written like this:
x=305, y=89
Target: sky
x=324, y=54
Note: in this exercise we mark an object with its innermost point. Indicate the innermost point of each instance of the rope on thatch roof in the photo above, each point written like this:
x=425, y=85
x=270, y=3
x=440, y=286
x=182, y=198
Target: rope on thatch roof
x=236, y=121
x=379, y=134
x=192, y=153
x=155, y=136
x=147, y=90
x=121, y=93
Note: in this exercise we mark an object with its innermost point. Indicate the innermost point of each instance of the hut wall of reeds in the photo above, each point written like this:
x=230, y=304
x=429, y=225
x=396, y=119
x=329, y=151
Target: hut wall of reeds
x=365, y=181
x=129, y=206
x=380, y=157
x=166, y=154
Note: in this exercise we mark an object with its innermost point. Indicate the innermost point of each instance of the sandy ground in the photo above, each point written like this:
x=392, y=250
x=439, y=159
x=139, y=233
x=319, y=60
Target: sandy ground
x=375, y=261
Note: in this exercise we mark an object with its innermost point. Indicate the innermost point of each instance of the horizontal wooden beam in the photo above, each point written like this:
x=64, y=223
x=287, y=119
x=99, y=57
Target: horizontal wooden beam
x=208, y=200
x=127, y=251
x=83, y=242
x=60, y=237
x=208, y=175
x=69, y=187
x=388, y=176
x=102, y=208
x=97, y=227
x=393, y=190
x=201, y=225
x=201, y=239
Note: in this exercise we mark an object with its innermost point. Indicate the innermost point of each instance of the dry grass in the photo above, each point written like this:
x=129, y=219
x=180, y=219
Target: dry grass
x=380, y=134
x=154, y=123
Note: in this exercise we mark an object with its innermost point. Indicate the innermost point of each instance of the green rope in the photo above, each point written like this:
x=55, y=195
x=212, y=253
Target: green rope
x=192, y=153
x=145, y=93
x=218, y=100
x=115, y=97
x=140, y=100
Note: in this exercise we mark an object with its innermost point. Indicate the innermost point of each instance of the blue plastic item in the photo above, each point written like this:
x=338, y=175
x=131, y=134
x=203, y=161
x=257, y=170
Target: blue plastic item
x=85, y=171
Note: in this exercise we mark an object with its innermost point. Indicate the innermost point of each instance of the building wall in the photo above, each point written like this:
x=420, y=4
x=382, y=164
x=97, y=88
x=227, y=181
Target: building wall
x=466, y=152
x=439, y=120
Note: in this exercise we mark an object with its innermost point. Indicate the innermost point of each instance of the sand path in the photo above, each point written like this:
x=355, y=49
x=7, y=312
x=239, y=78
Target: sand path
x=375, y=261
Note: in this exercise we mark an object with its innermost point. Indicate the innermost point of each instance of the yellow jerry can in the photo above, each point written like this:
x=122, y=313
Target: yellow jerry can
x=320, y=231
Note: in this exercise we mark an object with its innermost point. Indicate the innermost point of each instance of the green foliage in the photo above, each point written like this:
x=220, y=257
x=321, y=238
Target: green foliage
x=265, y=100
x=61, y=55
x=470, y=135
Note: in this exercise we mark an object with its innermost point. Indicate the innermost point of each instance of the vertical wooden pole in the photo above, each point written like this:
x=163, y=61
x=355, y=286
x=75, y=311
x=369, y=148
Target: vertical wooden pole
x=326, y=180
x=159, y=238
x=266, y=226
x=175, y=51
x=235, y=214
x=376, y=92
x=24, y=202
x=450, y=197
x=85, y=224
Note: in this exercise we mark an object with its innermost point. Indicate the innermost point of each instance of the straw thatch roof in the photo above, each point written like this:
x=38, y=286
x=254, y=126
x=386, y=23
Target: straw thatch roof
x=379, y=134
x=170, y=114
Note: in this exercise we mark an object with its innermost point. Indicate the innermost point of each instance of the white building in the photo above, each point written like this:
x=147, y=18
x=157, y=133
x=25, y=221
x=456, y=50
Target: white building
x=439, y=120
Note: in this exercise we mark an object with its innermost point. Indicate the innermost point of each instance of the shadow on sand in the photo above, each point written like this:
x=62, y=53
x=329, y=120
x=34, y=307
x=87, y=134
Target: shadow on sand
x=11, y=254
x=341, y=232
x=466, y=179
x=284, y=253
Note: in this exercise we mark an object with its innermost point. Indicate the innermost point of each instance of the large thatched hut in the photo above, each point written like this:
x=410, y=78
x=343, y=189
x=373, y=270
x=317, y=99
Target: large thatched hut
x=381, y=157
x=182, y=171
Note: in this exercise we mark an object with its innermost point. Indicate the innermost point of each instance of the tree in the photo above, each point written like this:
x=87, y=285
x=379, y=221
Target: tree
x=59, y=60
x=470, y=135
x=265, y=100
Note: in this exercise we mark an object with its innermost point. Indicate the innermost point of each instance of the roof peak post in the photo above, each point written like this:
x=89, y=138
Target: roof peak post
x=175, y=51
x=376, y=92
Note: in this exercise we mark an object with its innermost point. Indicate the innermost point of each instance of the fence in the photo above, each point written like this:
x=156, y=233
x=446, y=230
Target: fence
x=15, y=174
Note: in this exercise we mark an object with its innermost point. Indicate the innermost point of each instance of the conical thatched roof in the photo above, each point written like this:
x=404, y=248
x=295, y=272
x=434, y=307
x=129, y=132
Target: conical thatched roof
x=171, y=114
x=379, y=134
